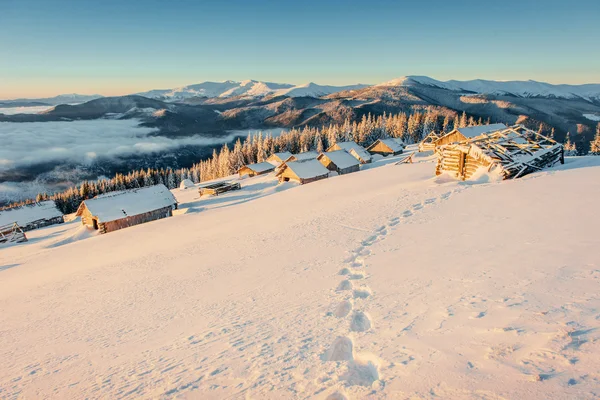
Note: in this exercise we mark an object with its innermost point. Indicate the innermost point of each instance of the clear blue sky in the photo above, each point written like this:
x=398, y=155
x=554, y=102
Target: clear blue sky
x=48, y=47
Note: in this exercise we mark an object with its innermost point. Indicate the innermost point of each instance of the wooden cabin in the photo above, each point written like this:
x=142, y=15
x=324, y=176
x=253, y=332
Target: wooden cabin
x=256, y=169
x=278, y=158
x=32, y=216
x=339, y=161
x=512, y=152
x=117, y=210
x=470, y=132
x=428, y=143
x=355, y=150
x=302, y=171
x=307, y=155
x=215, y=189
x=386, y=147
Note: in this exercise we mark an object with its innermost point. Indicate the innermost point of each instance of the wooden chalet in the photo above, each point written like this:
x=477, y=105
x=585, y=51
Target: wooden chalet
x=32, y=216
x=307, y=155
x=386, y=147
x=512, y=152
x=256, y=169
x=355, y=150
x=215, y=189
x=462, y=134
x=278, y=158
x=117, y=210
x=428, y=143
x=302, y=171
x=339, y=161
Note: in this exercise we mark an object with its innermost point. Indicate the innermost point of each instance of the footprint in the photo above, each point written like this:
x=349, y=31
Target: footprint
x=360, y=322
x=362, y=293
x=364, y=371
x=445, y=195
x=395, y=222
x=337, y=396
x=341, y=350
x=343, y=309
x=417, y=206
x=431, y=200
x=356, y=275
x=407, y=213
x=369, y=241
x=345, y=271
x=380, y=229
x=345, y=285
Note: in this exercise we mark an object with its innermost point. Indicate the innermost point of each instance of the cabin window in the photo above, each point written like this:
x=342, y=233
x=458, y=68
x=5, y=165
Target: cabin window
x=95, y=223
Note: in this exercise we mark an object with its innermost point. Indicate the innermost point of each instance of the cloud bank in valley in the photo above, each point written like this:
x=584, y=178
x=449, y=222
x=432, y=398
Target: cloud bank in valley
x=50, y=144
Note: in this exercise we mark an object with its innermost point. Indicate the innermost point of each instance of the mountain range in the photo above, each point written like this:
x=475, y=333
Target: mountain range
x=221, y=106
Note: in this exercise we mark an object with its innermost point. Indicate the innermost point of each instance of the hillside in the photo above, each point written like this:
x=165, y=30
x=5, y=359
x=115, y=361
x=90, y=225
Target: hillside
x=411, y=287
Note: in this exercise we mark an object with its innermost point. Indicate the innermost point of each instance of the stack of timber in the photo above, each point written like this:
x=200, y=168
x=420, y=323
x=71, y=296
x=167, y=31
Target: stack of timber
x=12, y=233
x=512, y=152
x=215, y=189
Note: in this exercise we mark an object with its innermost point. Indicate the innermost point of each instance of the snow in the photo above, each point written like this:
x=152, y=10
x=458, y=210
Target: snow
x=29, y=213
x=473, y=131
x=126, y=203
x=592, y=117
x=261, y=167
x=528, y=88
x=307, y=155
x=307, y=169
x=248, y=88
x=342, y=159
x=186, y=184
x=450, y=290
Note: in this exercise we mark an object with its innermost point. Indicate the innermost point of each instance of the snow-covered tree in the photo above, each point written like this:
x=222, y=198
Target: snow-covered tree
x=595, y=144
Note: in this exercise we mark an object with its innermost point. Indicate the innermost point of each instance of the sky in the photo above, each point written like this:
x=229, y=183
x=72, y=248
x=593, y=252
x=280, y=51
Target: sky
x=109, y=47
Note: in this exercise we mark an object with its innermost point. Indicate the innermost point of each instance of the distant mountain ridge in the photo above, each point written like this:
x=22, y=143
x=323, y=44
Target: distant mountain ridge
x=50, y=101
x=530, y=88
x=248, y=88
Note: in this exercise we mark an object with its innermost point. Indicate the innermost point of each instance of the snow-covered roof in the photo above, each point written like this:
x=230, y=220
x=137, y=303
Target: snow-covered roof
x=307, y=155
x=126, y=203
x=306, y=169
x=185, y=184
x=472, y=131
x=341, y=158
x=260, y=167
x=29, y=213
x=393, y=144
x=359, y=150
x=278, y=158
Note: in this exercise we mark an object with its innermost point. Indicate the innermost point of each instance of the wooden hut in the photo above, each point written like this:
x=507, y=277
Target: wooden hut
x=339, y=161
x=116, y=210
x=428, y=143
x=256, y=169
x=354, y=149
x=12, y=233
x=302, y=171
x=462, y=134
x=386, y=147
x=511, y=152
x=278, y=158
x=32, y=216
x=307, y=155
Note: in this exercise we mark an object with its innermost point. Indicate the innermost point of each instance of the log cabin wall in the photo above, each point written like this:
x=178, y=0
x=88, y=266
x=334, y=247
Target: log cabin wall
x=126, y=222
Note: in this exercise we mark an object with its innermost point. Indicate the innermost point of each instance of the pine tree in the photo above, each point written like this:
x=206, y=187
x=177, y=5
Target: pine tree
x=595, y=144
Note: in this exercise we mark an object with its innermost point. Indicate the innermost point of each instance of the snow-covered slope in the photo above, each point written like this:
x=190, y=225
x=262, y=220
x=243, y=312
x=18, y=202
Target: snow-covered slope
x=411, y=287
x=249, y=88
x=517, y=88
